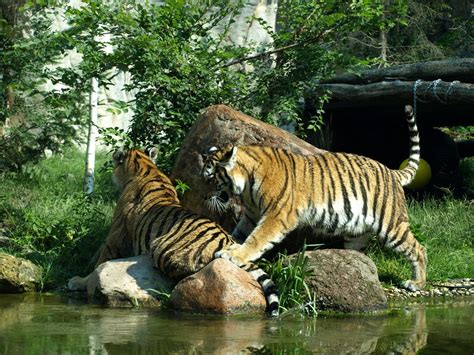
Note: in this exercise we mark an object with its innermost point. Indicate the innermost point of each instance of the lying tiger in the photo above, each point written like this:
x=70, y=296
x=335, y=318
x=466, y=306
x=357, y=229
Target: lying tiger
x=335, y=193
x=149, y=219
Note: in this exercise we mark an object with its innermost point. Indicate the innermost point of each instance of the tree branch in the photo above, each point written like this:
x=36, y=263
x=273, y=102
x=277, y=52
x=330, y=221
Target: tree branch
x=277, y=50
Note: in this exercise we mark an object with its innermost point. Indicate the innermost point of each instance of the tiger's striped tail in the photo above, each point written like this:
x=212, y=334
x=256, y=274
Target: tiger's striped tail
x=407, y=174
x=268, y=287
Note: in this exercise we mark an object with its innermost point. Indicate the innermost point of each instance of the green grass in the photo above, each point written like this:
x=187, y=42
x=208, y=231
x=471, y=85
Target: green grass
x=289, y=273
x=49, y=220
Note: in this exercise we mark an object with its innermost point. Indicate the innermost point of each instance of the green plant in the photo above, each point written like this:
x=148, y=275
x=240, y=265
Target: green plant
x=162, y=294
x=182, y=187
x=289, y=273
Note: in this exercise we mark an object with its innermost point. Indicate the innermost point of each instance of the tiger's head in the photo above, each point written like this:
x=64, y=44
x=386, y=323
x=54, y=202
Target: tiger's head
x=221, y=170
x=132, y=163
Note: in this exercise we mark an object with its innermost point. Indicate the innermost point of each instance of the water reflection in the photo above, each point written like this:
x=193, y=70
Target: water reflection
x=35, y=324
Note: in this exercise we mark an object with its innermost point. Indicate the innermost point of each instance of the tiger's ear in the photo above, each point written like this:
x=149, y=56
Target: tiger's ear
x=229, y=156
x=153, y=153
x=118, y=156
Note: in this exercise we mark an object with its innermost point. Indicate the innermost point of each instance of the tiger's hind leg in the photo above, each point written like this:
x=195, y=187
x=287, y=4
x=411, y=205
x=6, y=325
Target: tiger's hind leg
x=402, y=240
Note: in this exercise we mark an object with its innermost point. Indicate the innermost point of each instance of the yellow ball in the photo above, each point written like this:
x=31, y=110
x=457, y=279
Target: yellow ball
x=422, y=176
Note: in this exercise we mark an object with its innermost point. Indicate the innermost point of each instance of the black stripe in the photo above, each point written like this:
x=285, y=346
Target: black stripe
x=150, y=216
x=209, y=240
x=178, y=228
x=334, y=224
x=323, y=218
x=321, y=177
x=283, y=190
x=383, y=205
x=254, y=155
x=402, y=240
x=375, y=195
x=345, y=194
x=394, y=192
x=198, y=236
x=251, y=183
x=350, y=172
x=183, y=243
x=292, y=162
x=330, y=198
x=163, y=219
x=308, y=160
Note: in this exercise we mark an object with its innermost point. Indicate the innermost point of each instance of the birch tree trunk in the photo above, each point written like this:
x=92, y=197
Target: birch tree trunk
x=92, y=135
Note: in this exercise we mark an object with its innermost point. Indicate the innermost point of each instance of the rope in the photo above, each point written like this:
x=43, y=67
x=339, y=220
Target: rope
x=434, y=84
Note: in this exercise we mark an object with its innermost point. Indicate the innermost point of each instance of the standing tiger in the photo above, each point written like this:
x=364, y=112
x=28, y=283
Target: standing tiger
x=149, y=219
x=335, y=193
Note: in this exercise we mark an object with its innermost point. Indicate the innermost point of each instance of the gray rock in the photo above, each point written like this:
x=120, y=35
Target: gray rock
x=18, y=275
x=220, y=287
x=127, y=282
x=345, y=281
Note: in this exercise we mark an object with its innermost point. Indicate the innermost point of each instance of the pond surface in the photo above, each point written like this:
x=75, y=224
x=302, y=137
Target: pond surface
x=38, y=324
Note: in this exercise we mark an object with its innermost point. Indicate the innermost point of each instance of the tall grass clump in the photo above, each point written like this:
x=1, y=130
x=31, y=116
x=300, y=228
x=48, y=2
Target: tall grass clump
x=289, y=273
x=48, y=219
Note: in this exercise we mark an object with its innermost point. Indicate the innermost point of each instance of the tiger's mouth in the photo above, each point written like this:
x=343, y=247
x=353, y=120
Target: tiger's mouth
x=218, y=201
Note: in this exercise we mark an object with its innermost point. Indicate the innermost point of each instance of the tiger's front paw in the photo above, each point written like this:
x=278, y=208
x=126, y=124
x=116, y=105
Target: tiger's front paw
x=230, y=254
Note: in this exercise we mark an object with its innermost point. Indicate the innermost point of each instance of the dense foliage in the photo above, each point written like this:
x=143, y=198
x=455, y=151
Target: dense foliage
x=180, y=61
x=33, y=120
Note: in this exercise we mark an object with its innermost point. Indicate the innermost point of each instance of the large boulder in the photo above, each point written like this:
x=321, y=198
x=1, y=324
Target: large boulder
x=18, y=275
x=220, y=125
x=345, y=281
x=127, y=282
x=221, y=288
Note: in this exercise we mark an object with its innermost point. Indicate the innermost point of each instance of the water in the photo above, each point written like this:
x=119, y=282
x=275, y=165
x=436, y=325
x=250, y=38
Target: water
x=44, y=324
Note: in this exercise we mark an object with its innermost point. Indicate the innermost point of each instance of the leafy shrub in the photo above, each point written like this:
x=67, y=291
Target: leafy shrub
x=289, y=273
x=48, y=219
x=33, y=120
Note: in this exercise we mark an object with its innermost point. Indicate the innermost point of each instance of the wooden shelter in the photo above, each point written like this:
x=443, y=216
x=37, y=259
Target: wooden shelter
x=365, y=112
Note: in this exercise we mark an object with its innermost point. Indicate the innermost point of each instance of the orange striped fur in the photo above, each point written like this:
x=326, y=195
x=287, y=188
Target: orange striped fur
x=335, y=193
x=149, y=219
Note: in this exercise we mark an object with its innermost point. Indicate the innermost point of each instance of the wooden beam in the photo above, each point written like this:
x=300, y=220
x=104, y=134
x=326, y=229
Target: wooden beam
x=448, y=70
x=398, y=92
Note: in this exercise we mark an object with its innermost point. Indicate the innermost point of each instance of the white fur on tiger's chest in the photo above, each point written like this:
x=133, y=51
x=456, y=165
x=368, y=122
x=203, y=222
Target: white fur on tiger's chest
x=238, y=185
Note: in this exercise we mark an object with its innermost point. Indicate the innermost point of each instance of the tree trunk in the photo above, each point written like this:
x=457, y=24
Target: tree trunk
x=399, y=92
x=90, y=154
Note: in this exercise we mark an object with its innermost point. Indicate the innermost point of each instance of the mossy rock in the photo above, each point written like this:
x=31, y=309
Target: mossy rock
x=18, y=275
